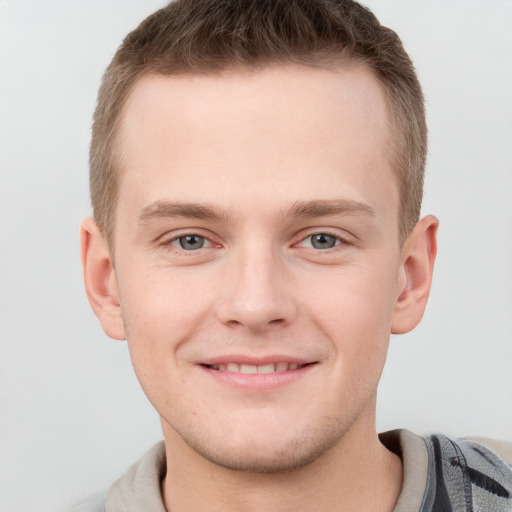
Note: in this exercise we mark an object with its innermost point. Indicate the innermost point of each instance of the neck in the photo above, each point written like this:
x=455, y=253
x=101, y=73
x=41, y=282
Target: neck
x=357, y=474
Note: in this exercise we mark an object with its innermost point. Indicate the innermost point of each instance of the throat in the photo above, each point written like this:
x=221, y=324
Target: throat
x=365, y=480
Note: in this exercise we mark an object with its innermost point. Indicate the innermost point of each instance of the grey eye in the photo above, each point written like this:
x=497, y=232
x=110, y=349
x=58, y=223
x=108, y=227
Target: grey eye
x=323, y=241
x=191, y=242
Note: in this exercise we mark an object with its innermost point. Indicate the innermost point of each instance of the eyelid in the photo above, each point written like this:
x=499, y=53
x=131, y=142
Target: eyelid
x=342, y=239
x=167, y=239
x=207, y=243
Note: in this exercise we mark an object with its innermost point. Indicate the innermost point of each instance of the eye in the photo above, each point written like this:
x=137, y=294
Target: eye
x=321, y=241
x=190, y=242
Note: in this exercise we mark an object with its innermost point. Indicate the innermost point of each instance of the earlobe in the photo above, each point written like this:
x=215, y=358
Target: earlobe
x=100, y=280
x=418, y=256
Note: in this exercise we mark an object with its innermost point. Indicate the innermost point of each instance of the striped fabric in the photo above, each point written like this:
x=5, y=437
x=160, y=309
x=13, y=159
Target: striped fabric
x=464, y=476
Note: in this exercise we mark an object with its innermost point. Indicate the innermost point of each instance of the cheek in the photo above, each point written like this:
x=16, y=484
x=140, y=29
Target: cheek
x=162, y=300
x=355, y=312
x=160, y=315
x=160, y=312
x=360, y=298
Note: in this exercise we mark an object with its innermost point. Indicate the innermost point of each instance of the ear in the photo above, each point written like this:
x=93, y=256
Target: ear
x=418, y=256
x=100, y=279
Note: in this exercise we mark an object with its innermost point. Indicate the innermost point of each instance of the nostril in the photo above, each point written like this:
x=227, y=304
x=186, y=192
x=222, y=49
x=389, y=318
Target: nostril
x=234, y=323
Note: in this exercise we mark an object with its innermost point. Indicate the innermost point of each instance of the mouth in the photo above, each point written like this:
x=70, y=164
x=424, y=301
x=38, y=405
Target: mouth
x=252, y=369
x=260, y=375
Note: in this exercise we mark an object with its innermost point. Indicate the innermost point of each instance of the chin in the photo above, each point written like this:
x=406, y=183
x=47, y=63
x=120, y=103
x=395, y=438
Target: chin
x=266, y=452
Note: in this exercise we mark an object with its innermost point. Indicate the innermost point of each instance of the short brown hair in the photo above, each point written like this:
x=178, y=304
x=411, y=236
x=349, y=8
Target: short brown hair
x=209, y=36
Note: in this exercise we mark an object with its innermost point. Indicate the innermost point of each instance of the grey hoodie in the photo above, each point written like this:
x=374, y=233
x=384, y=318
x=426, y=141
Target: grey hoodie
x=440, y=475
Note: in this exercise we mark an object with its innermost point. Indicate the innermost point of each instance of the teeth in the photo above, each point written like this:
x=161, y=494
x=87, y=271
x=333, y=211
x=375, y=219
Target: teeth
x=253, y=369
x=248, y=368
x=281, y=367
x=267, y=368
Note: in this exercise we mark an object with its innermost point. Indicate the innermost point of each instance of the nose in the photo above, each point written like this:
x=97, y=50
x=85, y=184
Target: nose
x=257, y=293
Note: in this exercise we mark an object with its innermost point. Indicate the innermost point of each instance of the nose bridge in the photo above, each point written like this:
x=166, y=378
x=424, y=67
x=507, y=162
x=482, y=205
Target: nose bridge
x=258, y=294
x=257, y=272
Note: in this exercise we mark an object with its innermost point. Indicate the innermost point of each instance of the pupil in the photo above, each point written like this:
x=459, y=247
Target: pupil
x=323, y=241
x=191, y=242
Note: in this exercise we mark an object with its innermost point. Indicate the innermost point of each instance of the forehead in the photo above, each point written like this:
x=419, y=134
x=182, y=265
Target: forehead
x=283, y=128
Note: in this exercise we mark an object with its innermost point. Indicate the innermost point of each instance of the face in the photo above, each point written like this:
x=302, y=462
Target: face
x=257, y=260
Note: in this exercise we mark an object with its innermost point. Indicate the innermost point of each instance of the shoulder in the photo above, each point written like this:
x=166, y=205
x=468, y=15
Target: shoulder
x=467, y=471
x=501, y=448
x=137, y=490
x=94, y=503
x=491, y=451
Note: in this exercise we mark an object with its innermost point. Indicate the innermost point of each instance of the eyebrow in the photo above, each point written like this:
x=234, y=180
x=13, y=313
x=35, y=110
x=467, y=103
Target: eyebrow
x=165, y=209
x=323, y=208
x=204, y=211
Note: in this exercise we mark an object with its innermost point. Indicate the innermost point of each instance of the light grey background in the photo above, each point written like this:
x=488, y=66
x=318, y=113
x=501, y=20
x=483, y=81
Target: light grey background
x=72, y=416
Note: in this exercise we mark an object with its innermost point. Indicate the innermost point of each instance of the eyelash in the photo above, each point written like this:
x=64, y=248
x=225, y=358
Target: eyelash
x=340, y=241
x=168, y=243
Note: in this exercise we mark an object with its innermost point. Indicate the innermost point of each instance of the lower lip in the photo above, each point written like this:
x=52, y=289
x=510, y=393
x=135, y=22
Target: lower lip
x=258, y=381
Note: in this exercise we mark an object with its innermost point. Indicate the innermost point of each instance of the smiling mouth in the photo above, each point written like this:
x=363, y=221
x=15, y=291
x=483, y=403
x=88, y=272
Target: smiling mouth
x=249, y=369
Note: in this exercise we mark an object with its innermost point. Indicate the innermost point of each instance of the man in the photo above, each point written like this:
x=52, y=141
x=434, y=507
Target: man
x=256, y=180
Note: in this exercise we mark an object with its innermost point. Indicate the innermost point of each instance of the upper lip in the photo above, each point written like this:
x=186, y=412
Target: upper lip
x=252, y=360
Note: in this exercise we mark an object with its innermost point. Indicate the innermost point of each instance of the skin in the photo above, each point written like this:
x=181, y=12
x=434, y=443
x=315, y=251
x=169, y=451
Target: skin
x=254, y=169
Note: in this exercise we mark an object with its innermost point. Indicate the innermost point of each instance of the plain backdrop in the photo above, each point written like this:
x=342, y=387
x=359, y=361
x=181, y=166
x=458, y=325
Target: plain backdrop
x=72, y=416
